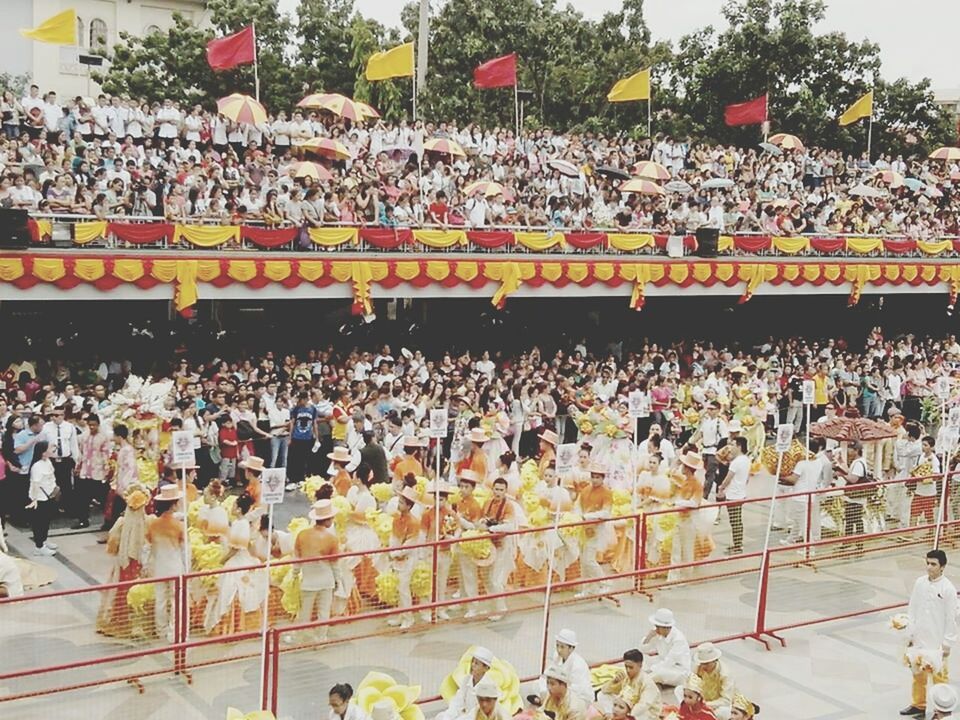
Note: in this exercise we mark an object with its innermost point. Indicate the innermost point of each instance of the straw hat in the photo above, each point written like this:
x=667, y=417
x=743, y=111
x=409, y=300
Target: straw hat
x=169, y=493
x=483, y=655
x=322, y=510
x=478, y=436
x=597, y=469
x=444, y=489
x=469, y=475
x=412, y=442
x=550, y=437
x=340, y=454
x=944, y=698
x=692, y=460
x=410, y=494
x=706, y=653
x=253, y=464
x=239, y=535
x=486, y=689
x=663, y=617
x=567, y=637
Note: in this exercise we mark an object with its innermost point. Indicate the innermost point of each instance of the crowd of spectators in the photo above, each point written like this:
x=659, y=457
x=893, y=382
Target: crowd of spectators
x=118, y=156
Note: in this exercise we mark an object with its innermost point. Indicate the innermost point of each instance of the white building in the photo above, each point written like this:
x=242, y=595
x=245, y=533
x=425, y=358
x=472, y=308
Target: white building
x=949, y=98
x=99, y=24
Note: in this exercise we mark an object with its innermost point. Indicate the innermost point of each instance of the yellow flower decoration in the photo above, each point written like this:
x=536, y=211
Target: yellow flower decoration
x=900, y=621
x=137, y=499
x=455, y=497
x=748, y=421
x=297, y=525
x=502, y=674
x=148, y=472
x=382, y=525
x=539, y=517
x=611, y=430
x=229, y=504
x=139, y=595
x=388, y=588
x=585, y=426
x=382, y=492
x=290, y=593
x=193, y=512
x=234, y=714
x=571, y=533
x=421, y=582
x=531, y=502
x=421, y=487
x=478, y=549
x=378, y=686
x=601, y=675
x=278, y=573
x=529, y=475
x=483, y=495
x=310, y=486
x=343, y=508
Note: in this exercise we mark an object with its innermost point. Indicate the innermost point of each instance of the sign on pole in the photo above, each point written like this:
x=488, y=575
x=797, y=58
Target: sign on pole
x=784, y=437
x=566, y=458
x=638, y=404
x=439, y=421
x=809, y=392
x=183, y=454
x=943, y=387
x=272, y=481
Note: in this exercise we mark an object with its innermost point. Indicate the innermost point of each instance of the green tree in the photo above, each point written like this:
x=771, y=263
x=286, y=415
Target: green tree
x=325, y=31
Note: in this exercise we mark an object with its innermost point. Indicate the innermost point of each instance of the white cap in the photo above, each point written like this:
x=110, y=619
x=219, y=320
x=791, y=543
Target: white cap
x=483, y=655
x=706, y=652
x=567, y=637
x=734, y=426
x=662, y=618
x=486, y=689
x=557, y=673
x=944, y=698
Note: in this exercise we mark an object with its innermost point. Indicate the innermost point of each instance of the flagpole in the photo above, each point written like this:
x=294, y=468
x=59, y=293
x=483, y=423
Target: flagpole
x=414, y=96
x=256, y=63
x=650, y=114
x=766, y=116
x=516, y=108
x=870, y=129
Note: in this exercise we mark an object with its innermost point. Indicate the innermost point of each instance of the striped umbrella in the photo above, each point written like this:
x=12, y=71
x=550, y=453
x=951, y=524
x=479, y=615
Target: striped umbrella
x=945, y=153
x=325, y=147
x=316, y=100
x=787, y=142
x=242, y=109
x=311, y=170
x=441, y=145
x=367, y=110
x=642, y=186
x=486, y=187
x=891, y=178
x=651, y=170
x=342, y=106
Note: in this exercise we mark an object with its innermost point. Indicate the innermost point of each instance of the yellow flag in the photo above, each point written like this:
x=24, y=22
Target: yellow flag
x=860, y=109
x=395, y=62
x=635, y=87
x=61, y=29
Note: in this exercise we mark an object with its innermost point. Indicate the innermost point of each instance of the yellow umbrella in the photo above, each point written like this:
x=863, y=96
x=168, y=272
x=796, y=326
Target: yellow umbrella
x=642, y=186
x=652, y=170
x=316, y=100
x=945, y=153
x=326, y=148
x=442, y=145
x=367, y=110
x=311, y=170
x=787, y=142
x=486, y=187
x=892, y=178
x=242, y=109
x=342, y=106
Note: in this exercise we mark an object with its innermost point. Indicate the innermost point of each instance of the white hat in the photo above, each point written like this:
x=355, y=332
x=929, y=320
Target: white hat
x=567, y=637
x=340, y=454
x=253, y=464
x=322, y=510
x=383, y=710
x=410, y=494
x=477, y=435
x=663, y=617
x=469, y=475
x=735, y=426
x=557, y=673
x=169, y=493
x=706, y=652
x=944, y=698
x=239, y=536
x=483, y=655
x=692, y=460
x=486, y=689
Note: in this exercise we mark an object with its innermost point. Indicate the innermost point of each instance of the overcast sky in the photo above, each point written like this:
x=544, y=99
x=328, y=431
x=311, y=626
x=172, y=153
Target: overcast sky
x=917, y=38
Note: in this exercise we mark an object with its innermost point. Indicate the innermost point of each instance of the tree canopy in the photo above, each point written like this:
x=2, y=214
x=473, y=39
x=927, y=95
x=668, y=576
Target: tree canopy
x=569, y=63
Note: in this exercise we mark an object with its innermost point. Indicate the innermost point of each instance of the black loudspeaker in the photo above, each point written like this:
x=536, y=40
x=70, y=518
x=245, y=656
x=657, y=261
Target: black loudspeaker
x=14, y=234
x=708, y=239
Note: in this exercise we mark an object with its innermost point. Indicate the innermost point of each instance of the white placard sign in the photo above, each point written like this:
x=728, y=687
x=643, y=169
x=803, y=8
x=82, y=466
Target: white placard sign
x=943, y=387
x=438, y=423
x=272, y=481
x=566, y=458
x=784, y=437
x=953, y=419
x=638, y=404
x=181, y=443
x=809, y=392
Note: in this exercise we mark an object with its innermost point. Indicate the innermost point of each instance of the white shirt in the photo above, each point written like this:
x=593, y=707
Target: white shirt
x=62, y=438
x=711, y=430
x=738, y=473
x=808, y=477
x=42, y=481
x=672, y=651
x=933, y=613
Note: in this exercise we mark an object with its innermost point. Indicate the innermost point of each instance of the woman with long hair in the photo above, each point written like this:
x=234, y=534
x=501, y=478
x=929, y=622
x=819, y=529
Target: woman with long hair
x=125, y=545
x=43, y=494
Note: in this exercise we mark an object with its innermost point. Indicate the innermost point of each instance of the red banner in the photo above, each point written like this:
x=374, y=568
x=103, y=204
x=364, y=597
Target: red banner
x=269, y=237
x=499, y=72
x=752, y=112
x=144, y=234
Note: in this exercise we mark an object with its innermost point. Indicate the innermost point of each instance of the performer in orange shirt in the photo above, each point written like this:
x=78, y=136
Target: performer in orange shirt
x=449, y=529
x=410, y=462
x=596, y=502
x=477, y=461
x=339, y=459
x=470, y=513
x=687, y=496
x=406, y=531
x=499, y=517
x=321, y=576
x=548, y=449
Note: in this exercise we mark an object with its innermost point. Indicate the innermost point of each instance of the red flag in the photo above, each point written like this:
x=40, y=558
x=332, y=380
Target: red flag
x=752, y=112
x=499, y=72
x=232, y=50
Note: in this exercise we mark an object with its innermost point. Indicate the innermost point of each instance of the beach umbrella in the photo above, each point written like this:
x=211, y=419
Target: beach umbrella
x=932, y=192
x=945, y=153
x=316, y=101
x=311, y=170
x=488, y=188
x=651, y=170
x=913, y=184
x=325, y=147
x=342, y=106
x=367, y=110
x=642, y=186
x=678, y=186
x=717, y=183
x=564, y=167
x=242, y=109
x=441, y=145
x=786, y=141
x=867, y=191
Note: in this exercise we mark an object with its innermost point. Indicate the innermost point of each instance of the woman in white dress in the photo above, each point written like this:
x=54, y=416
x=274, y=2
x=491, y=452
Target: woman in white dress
x=241, y=594
x=360, y=571
x=166, y=536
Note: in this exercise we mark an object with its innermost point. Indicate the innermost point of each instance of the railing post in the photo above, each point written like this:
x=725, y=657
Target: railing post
x=434, y=585
x=806, y=539
x=275, y=670
x=640, y=550
x=760, y=624
x=266, y=665
x=181, y=618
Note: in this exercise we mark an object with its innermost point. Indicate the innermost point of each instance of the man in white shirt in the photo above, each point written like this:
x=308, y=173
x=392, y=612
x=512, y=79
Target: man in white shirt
x=478, y=210
x=606, y=387
x=62, y=437
x=52, y=112
x=807, y=476
x=931, y=628
x=670, y=664
x=711, y=430
x=572, y=663
x=734, y=488
x=463, y=704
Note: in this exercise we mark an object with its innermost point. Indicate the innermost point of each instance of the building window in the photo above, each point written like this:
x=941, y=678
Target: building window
x=151, y=29
x=80, y=37
x=98, y=34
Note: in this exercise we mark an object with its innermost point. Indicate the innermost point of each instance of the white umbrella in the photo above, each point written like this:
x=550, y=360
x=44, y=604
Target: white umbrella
x=717, y=183
x=867, y=191
x=678, y=186
x=564, y=167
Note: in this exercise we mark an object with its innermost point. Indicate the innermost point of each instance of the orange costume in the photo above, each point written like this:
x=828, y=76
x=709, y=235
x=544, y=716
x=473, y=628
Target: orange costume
x=406, y=464
x=470, y=510
x=342, y=481
x=548, y=457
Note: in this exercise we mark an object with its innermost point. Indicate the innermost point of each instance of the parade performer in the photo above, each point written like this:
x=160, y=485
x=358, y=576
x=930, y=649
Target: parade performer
x=499, y=516
x=596, y=503
x=464, y=702
x=405, y=532
x=449, y=529
x=125, y=544
x=166, y=537
x=633, y=685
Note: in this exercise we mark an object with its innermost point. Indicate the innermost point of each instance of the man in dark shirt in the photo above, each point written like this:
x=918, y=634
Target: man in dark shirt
x=373, y=454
